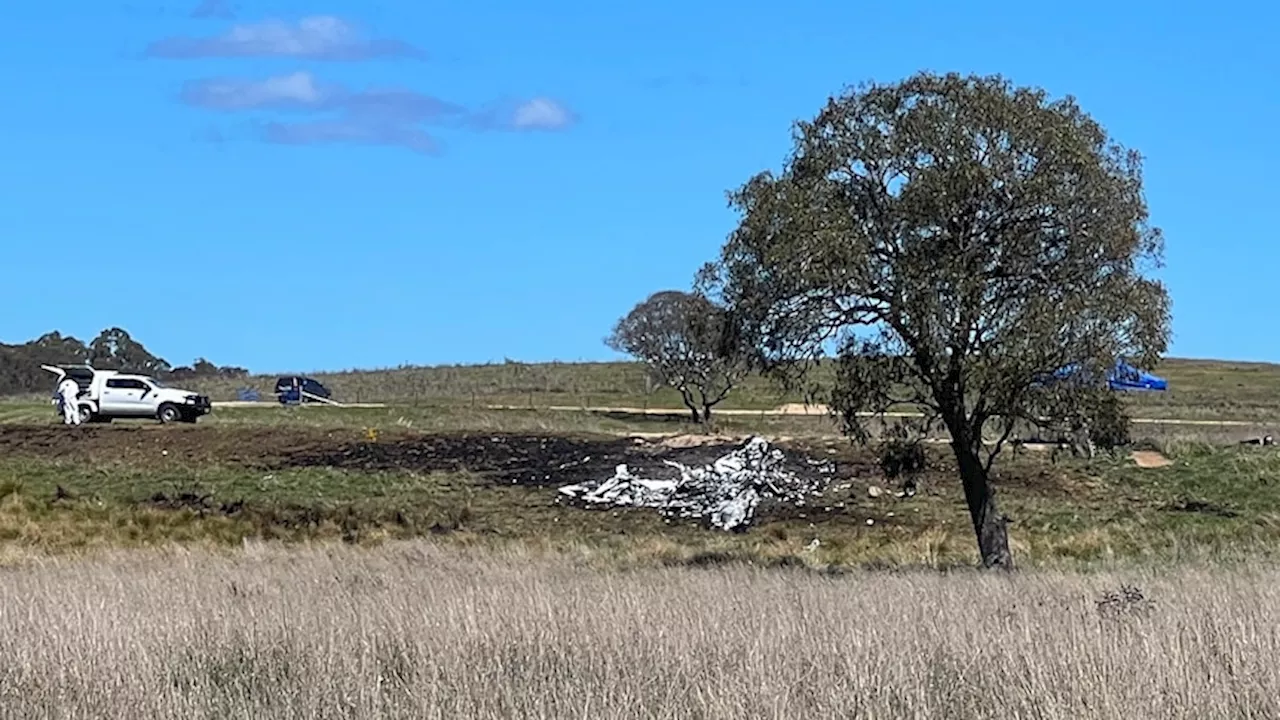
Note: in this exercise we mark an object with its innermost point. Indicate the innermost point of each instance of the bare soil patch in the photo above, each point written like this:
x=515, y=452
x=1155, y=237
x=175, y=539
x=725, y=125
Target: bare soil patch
x=692, y=441
x=1150, y=459
x=801, y=409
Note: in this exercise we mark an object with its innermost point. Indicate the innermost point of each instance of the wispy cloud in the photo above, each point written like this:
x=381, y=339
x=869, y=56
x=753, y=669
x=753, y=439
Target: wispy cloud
x=297, y=90
x=301, y=91
x=372, y=116
x=539, y=113
x=218, y=9
x=322, y=37
x=352, y=131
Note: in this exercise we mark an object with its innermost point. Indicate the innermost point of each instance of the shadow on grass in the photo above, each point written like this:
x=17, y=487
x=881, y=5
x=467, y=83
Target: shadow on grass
x=682, y=420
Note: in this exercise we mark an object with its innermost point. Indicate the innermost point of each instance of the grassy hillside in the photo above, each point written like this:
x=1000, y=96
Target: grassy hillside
x=1200, y=389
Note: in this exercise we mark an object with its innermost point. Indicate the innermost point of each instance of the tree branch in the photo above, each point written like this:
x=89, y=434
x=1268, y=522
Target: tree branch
x=1004, y=437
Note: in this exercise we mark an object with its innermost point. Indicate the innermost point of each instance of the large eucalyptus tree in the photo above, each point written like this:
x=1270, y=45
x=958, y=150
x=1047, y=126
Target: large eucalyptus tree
x=957, y=239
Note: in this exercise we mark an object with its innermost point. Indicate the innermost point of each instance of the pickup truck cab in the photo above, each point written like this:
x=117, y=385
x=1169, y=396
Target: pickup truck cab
x=106, y=395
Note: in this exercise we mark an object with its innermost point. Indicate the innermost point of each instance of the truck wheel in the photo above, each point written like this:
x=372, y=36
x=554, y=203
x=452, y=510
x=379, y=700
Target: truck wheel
x=86, y=414
x=169, y=413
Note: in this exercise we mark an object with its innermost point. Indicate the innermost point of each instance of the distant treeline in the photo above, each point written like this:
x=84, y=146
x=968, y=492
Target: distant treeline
x=112, y=349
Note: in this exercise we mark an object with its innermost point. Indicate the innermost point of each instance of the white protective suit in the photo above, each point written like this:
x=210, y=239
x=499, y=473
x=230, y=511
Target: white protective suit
x=67, y=392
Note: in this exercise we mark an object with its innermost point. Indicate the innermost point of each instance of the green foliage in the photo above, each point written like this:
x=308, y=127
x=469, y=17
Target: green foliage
x=964, y=238
x=20, y=364
x=683, y=339
x=115, y=349
x=959, y=238
x=902, y=454
x=1109, y=423
x=112, y=349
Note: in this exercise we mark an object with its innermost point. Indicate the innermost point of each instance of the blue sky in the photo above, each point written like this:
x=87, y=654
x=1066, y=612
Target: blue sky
x=301, y=184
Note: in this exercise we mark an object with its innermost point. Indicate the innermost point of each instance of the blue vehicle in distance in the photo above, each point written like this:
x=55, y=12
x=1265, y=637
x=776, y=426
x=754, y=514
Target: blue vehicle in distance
x=299, y=389
x=1126, y=378
x=1121, y=378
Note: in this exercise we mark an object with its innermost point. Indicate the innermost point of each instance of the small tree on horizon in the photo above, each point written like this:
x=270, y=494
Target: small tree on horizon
x=955, y=238
x=682, y=338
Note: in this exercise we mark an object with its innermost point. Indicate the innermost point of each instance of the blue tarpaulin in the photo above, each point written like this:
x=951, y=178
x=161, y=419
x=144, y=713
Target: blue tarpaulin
x=1127, y=377
x=1123, y=377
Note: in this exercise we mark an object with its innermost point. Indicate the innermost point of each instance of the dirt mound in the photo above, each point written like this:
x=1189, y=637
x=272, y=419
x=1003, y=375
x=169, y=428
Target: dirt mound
x=690, y=441
x=1150, y=459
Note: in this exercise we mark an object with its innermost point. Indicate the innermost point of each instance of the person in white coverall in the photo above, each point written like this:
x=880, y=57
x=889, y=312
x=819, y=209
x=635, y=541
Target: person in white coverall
x=67, y=392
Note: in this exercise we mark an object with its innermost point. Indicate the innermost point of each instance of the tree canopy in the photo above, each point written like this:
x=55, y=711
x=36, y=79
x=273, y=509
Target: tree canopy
x=112, y=349
x=953, y=240
x=683, y=338
x=115, y=349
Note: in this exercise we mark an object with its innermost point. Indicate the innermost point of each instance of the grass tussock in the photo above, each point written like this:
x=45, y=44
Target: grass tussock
x=414, y=630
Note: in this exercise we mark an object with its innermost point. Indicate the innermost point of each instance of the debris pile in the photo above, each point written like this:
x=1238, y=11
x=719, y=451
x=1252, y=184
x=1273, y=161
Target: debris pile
x=725, y=493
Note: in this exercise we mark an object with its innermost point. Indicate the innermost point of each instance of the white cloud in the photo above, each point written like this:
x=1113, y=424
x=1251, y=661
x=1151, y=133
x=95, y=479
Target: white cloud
x=541, y=114
x=321, y=37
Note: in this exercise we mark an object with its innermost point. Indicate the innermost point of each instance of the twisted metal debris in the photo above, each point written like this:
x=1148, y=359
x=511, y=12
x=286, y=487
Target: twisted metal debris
x=725, y=493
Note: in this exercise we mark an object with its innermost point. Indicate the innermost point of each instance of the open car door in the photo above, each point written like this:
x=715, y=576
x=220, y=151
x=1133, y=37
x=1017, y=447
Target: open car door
x=60, y=373
x=83, y=375
x=55, y=370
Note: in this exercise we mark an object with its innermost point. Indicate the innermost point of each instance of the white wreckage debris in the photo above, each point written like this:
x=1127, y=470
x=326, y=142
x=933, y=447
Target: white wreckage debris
x=725, y=493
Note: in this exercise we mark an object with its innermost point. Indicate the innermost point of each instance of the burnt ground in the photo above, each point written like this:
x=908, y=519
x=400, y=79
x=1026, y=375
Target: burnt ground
x=510, y=459
x=125, y=484
x=401, y=484
x=71, y=487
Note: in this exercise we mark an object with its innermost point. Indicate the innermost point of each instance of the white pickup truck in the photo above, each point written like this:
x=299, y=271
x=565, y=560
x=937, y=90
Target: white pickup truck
x=106, y=395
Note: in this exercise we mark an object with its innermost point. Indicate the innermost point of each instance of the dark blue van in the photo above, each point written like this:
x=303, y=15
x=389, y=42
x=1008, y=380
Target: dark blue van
x=294, y=389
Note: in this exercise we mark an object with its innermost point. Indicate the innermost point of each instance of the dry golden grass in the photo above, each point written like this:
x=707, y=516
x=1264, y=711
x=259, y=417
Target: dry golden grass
x=414, y=630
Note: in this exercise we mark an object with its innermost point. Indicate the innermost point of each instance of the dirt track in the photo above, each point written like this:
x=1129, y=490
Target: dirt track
x=819, y=410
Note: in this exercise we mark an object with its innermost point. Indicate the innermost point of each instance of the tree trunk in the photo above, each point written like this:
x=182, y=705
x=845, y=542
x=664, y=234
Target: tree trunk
x=990, y=526
x=693, y=408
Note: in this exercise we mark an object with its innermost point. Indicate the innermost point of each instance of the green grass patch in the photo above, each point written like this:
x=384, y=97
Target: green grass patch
x=1221, y=504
